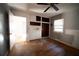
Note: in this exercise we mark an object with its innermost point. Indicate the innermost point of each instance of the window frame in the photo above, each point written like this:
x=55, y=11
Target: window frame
x=59, y=25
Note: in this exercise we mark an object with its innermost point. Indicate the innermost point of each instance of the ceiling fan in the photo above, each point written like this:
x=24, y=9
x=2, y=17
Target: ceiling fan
x=50, y=5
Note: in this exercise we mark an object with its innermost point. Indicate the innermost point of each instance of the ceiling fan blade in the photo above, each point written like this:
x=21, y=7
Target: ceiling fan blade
x=47, y=9
x=43, y=3
x=56, y=8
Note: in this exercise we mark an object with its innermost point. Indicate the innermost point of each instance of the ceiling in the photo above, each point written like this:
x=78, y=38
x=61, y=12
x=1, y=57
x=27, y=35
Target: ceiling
x=33, y=8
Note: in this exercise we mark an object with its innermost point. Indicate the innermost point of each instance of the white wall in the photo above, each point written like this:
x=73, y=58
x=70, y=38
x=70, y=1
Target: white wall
x=72, y=25
x=71, y=28
x=33, y=32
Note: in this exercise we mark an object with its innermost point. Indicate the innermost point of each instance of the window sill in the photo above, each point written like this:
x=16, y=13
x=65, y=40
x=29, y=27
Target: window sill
x=58, y=32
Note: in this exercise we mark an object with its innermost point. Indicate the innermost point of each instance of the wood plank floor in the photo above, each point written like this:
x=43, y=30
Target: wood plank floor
x=41, y=47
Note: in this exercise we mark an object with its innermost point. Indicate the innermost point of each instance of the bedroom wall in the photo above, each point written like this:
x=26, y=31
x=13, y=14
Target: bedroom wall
x=33, y=32
x=72, y=25
x=70, y=35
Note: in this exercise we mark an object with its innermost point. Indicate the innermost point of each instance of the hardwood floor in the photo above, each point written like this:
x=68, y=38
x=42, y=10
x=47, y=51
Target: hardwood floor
x=41, y=47
x=70, y=51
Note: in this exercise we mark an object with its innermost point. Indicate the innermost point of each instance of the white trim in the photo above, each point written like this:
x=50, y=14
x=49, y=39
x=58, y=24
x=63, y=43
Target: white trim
x=71, y=31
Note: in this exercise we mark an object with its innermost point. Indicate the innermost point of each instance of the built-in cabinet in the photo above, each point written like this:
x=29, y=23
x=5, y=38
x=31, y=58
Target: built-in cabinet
x=45, y=19
x=43, y=22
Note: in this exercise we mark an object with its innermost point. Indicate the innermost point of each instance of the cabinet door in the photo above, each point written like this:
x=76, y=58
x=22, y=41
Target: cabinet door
x=45, y=19
x=38, y=18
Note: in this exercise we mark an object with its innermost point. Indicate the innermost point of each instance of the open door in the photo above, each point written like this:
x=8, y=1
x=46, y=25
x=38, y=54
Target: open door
x=17, y=29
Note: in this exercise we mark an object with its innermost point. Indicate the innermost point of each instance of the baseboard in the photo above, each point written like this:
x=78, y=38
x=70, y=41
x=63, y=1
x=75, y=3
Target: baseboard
x=66, y=44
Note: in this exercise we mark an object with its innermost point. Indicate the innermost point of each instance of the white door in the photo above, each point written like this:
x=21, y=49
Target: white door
x=18, y=31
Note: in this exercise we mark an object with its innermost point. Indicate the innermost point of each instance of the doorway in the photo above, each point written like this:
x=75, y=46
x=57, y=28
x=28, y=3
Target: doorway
x=18, y=31
x=45, y=30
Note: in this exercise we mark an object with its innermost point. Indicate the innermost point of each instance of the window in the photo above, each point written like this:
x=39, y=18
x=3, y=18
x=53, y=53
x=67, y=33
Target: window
x=58, y=25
